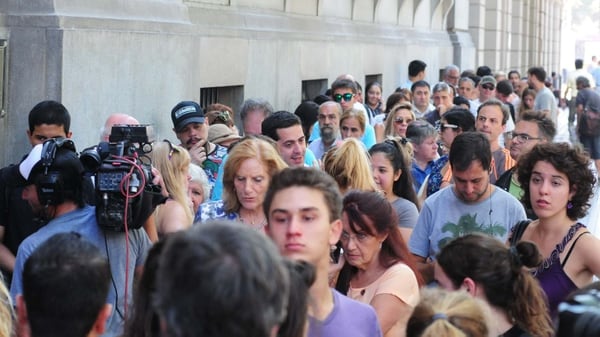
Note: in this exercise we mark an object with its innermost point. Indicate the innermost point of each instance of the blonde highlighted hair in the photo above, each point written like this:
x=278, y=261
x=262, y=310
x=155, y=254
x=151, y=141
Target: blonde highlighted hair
x=253, y=147
x=172, y=162
x=441, y=313
x=7, y=314
x=389, y=130
x=350, y=165
x=356, y=114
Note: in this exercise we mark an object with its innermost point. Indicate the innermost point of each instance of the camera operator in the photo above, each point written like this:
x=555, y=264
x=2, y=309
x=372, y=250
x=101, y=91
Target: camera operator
x=53, y=188
x=47, y=119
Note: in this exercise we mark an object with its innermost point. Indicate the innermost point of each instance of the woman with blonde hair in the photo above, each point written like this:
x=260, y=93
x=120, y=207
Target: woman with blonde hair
x=349, y=164
x=397, y=121
x=250, y=165
x=7, y=313
x=352, y=124
x=173, y=162
x=448, y=314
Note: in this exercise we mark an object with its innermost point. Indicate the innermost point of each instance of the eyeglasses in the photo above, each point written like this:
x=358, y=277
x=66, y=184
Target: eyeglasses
x=171, y=148
x=401, y=120
x=442, y=127
x=488, y=86
x=358, y=237
x=347, y=97
x=523, y=137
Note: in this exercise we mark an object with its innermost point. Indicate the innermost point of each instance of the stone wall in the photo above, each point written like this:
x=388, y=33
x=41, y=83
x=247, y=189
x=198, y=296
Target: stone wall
x=143, y=56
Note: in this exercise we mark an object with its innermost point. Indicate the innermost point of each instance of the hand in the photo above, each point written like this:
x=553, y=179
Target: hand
x=198, y=152
x=158, y=180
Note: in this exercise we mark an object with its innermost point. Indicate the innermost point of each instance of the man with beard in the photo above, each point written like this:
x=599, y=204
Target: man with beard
x=470, y=204
x=329, y=127
x=191, y=128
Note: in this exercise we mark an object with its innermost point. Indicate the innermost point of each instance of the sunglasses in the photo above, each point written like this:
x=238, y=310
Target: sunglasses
x=488, y=86
x=171, y=148
x=401, y=120
x=347, y=97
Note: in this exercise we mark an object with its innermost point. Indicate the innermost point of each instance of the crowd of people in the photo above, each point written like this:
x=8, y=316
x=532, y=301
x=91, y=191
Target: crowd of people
x=441, y=210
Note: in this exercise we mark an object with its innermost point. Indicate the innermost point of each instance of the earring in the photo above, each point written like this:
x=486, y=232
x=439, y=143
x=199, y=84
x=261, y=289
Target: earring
x=569, y=205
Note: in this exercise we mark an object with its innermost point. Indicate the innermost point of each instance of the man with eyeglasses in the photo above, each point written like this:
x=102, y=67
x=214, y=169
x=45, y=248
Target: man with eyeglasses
x=451, y=75
x=344, y=90
x=533, y=128
x=491, y=121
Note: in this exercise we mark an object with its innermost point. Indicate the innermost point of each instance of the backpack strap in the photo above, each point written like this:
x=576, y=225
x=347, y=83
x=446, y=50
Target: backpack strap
x=517, y=231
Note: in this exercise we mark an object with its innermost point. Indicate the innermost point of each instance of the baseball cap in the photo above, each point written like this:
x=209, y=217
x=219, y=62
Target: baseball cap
x=186, y=112
x=488, y=79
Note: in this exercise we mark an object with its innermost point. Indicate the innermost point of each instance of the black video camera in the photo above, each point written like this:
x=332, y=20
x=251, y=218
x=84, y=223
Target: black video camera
x=124, y=192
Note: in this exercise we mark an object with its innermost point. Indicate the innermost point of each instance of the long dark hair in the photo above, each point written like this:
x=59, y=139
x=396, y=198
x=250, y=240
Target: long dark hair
x=499, y=270
x=358, y=206
x=396, y=150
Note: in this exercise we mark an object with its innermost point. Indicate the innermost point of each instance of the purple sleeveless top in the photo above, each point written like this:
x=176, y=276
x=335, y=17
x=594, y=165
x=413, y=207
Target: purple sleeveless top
x=556, y=283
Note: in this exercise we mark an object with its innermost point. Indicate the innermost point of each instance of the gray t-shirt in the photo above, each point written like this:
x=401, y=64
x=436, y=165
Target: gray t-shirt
x=445, y=217
x=544, y=100
x=407, y=212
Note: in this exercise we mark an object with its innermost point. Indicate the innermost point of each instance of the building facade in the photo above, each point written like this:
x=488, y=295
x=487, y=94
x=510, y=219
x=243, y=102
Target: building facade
x=141, y=57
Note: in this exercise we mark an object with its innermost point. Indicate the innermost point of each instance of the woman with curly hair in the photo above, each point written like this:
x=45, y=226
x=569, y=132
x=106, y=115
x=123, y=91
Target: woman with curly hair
x=494, y=273
x=557, y=185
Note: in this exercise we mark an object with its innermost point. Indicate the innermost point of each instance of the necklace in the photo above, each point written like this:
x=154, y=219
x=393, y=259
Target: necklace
x=257, y=225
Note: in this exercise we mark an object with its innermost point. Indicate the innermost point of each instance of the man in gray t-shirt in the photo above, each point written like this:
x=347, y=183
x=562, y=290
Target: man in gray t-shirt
x=470, y=205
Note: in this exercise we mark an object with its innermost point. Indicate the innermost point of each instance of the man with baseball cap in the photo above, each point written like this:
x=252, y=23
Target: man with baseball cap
x=191, y=128
x=487, y=90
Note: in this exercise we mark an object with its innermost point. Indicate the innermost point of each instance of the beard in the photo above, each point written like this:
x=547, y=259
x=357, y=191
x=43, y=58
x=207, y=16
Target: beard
x=328, y=135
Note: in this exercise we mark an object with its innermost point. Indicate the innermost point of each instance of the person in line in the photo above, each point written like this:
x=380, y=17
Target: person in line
x=423, y=138
x=441, y=313
x=469, y=205
x=378, y=268
x=304, y=210
x=248, y=171
x=400, y=117
x=221, y=279
x=352, y=124
x=65, y=285
x=557, y=185
x=494, y=273
x=173, y=163
x=453, y=123
x=374, y=104
x=390, y=163
x=350, y=166
x=199, y=189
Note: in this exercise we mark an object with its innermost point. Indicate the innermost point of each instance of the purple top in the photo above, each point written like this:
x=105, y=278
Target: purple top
x=349, y=318
x=556, y=283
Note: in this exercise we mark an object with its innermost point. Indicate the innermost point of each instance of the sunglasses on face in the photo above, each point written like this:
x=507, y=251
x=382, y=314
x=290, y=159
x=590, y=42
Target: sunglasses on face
x=401, y=120
x=488, y=86
x=347, y=97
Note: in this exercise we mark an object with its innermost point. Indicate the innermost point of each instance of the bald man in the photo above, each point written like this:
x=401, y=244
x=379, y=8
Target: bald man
x=115, y=119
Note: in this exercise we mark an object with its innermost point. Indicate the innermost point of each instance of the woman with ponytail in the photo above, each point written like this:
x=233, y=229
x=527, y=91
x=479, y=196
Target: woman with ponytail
x=494, y=273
